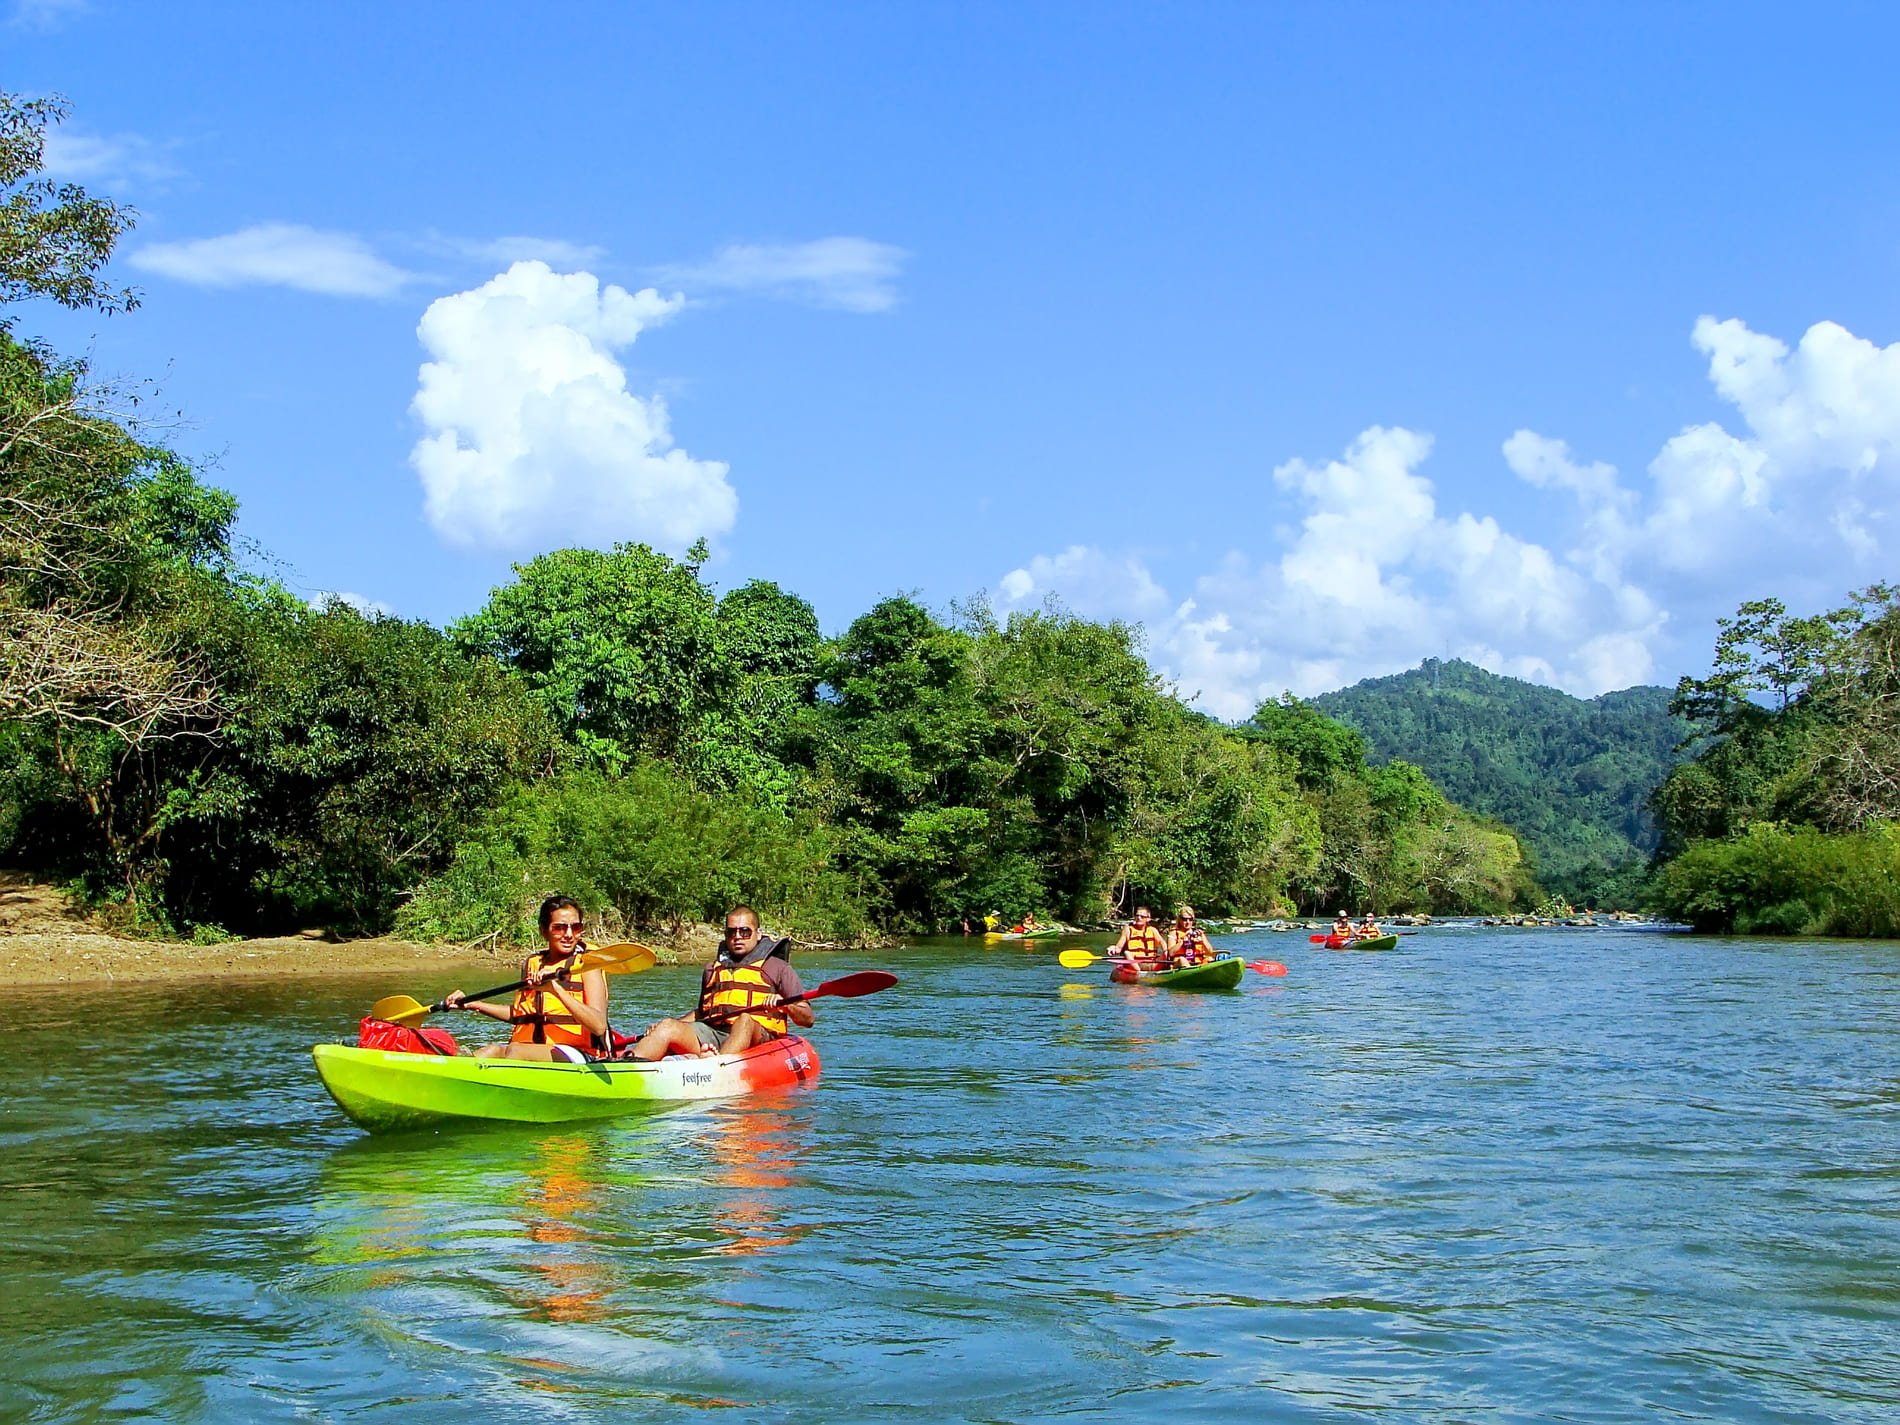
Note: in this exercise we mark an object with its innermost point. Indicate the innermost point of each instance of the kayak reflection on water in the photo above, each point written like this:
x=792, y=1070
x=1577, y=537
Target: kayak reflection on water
x=758, y=1152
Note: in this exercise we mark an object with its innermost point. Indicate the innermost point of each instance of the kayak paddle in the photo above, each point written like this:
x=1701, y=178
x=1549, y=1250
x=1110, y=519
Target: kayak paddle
x=1082, y=959
x=852, y=986
x=1267, y=967
x=615, y=959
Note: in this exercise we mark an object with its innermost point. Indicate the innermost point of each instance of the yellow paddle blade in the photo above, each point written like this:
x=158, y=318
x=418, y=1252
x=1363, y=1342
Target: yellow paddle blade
x=398, y=1009
x=1076, y=959
x=628, y=959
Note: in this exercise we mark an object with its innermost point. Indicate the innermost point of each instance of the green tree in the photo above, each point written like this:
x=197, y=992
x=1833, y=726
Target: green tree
x=1215, y=820
x=360, y=751
x=54, y=238
x=769, y=652
x=110, y=545
x=1783, y=823
x=621, y=647
x=899, y=766
x=1323, y=751
x=640, y=848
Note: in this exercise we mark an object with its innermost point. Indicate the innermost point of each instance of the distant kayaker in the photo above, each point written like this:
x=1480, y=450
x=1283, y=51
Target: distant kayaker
x=739, y=997
x=554, y=1017
x=1342, y=926
x=1142, y=944
x=1187, y=942
x=1027, y=924
x=1368, y=928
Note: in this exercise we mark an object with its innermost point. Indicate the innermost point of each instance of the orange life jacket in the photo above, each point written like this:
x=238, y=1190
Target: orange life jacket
x=1193, y=947
x=727, y=991
x=540, y=1017
x=1145, y=943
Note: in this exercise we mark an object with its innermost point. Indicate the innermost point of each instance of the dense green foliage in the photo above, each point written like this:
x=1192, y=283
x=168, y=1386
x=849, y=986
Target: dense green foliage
x=202, y=752
x=639, y=847
x=1572, y=777
x=1788, y=880
x=634, y=656
x=1390, y=839
x=1786, y=821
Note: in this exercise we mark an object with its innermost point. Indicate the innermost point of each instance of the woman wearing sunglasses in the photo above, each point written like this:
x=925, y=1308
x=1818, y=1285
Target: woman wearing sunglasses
x=1187, y=942
x=555, y=1017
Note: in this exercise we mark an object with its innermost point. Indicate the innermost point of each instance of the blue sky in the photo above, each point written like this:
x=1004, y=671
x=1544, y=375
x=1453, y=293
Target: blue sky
x=1319, y=339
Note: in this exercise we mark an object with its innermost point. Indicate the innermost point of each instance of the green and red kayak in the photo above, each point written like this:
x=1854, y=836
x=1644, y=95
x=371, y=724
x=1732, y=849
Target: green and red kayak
x=1223, y=973
x=386, y=1090
x=1367, y=942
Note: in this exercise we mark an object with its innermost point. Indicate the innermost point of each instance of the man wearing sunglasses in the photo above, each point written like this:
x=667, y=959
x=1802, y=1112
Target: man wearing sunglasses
x=740, y=997
x=1141, y=944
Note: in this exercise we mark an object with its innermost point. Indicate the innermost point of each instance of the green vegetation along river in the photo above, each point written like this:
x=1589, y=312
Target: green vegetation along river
x=1605, y=1176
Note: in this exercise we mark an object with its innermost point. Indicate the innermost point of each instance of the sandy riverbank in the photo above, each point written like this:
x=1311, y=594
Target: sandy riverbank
x=42, y=942
x=88, y=957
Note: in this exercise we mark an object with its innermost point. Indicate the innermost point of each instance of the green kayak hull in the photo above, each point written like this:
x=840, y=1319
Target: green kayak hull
x=386, y=1091
x=1369, y=942
x=1222, y=974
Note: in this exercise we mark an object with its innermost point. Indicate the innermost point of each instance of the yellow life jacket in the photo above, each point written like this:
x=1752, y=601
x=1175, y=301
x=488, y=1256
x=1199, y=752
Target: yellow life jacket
x=728, y=990
x=1145, y=941
x=540, y=1017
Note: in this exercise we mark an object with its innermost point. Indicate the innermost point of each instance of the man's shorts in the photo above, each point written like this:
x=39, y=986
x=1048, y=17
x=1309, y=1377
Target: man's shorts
x=708, y=1036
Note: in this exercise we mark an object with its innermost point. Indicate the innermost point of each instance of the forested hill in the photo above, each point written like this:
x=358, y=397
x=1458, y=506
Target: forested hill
x=1571, y=776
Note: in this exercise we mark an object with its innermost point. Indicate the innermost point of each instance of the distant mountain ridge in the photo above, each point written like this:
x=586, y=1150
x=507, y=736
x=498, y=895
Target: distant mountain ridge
x=1571, y=776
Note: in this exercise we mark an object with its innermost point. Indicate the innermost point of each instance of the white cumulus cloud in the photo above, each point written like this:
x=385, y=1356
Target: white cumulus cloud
x=1376, y=578
x=851, y=273
x=334, y=264
x=531, y=435
x=1801, y=503
x=1109, y=586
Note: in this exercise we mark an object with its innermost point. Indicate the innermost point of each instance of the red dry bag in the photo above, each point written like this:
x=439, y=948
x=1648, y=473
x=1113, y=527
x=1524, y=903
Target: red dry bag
x=381, y=1034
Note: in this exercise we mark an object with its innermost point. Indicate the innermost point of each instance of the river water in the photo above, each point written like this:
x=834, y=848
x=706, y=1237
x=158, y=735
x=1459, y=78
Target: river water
x=1495, y=1175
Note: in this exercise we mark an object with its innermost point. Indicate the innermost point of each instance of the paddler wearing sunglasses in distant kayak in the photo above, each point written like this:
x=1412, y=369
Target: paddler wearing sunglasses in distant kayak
x=554, y=1016
x=739, y=998
x=1187, y=942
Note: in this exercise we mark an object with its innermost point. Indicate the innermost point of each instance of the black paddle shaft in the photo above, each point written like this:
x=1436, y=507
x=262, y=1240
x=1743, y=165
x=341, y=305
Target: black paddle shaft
x=440, y=1005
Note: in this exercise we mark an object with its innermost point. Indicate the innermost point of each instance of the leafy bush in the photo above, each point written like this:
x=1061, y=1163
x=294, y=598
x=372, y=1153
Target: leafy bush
x=641, y=849
x=1777, y=880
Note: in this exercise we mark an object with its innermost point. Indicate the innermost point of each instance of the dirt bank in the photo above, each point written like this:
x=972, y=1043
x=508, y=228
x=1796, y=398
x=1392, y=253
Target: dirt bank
x=44, y=942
